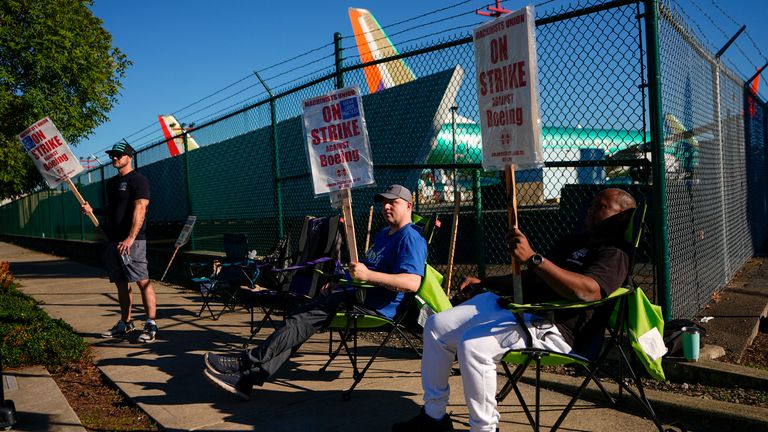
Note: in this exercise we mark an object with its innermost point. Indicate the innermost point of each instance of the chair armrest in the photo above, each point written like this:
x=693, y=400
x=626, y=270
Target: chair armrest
x=339, y=279
x=199, y=269
x=303, y=265
x=507, y=302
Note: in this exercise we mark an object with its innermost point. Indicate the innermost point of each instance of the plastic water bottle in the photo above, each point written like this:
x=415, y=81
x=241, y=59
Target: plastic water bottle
x=126, y=259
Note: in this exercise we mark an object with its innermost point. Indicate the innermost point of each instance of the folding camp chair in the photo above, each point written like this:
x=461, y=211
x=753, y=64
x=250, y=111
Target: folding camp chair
x=591, y=353
x=262, y=283
x=319, y=249
x=430, y=298
x=220, y=278
x=430, y=295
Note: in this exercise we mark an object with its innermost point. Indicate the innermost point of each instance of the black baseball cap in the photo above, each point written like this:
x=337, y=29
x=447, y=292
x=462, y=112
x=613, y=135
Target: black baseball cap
x=393, y=192
x=121, y=148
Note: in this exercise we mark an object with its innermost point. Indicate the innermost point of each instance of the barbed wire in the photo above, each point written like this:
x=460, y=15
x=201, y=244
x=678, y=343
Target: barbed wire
x=724, y=13
x=303, y=65
x=747, y=32
x=294, y=69
x=305, y=77
x=213, y=94
x=388, y=26
x=688, y=20
x=475, y=24
x=229, y=108
x=726, y=35
x=285, y=70
x=711, y=20
x=295, y=58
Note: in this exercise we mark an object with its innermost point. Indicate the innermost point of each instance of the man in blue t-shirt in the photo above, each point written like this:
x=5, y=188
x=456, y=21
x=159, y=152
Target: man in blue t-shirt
x=394, y=264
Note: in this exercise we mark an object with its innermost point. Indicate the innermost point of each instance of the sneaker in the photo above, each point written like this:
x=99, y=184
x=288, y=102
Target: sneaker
x=224, y=363
x=424, y=423
x=232, y=383
x=119, y=330
x=149, y=332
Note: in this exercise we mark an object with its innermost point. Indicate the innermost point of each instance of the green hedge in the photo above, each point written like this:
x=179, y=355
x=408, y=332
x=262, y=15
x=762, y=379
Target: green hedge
x=28, y=336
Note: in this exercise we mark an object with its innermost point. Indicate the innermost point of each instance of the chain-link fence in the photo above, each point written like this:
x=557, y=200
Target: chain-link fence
x=716, y=170
x=251, y=174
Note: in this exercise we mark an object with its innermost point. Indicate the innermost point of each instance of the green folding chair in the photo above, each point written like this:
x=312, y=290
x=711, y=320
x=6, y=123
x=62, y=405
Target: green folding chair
x=609, y=335
x=430, y=298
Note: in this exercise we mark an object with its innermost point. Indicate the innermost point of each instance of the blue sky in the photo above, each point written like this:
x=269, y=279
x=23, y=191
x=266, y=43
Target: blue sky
x=183, y=51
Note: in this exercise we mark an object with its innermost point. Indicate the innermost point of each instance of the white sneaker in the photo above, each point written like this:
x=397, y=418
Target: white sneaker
x=149, y=332
x=119, y=330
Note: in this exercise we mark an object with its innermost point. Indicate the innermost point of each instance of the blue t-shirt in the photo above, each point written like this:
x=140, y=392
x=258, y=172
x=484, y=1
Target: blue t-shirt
x=402, y=252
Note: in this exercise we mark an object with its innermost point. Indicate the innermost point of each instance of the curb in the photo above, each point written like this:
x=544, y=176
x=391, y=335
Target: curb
x=40, y=405
x=694, y=413
x=715, y=373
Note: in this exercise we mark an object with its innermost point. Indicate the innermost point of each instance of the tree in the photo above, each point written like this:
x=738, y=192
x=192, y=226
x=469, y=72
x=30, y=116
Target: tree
x=56, y=60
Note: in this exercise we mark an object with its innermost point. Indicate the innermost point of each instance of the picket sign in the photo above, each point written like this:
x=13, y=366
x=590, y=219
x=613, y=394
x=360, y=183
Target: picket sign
x=507, y=95
x=186, y=231
x=52, y=157
x=338, y=151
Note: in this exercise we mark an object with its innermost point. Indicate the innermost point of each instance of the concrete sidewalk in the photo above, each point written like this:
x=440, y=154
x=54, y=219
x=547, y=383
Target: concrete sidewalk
x=165, y=378
x=40, y=406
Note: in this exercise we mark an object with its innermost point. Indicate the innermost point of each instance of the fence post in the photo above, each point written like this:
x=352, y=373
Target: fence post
x=278, y=180
x=63, y=213
x=190, y=211
x=659, y=191
x=338, y=59
x=50, y=213
x=82, y=221
x=276, y=160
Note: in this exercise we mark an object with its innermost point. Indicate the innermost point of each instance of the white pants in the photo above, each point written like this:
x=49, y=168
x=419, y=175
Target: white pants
x=480, y=332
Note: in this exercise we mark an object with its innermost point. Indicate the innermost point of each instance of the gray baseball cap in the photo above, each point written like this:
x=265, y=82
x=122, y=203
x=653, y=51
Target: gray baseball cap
x=393, y=192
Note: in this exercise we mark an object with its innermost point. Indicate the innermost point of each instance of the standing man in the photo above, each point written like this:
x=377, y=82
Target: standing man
x=126, y=254
x=395, y=264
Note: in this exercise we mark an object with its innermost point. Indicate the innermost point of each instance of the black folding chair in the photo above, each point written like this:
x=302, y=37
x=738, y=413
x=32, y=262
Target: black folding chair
x=219, y=279
x=288, y=285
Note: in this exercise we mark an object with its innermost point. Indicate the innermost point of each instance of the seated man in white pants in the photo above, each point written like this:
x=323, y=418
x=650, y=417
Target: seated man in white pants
x=582, y=267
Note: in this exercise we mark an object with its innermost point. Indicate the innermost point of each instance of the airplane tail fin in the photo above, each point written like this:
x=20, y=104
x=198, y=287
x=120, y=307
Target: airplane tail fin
x=756, y=83
x=171, y=128
x=373, y=44
x=679, y=132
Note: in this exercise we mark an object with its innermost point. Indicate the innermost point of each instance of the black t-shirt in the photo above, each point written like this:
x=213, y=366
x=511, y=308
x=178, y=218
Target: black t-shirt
x=603, y=258
x=122, y=193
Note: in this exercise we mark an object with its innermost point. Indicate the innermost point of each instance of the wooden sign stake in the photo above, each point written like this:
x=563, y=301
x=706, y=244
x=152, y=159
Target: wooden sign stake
x=454, y=232
x=517, y=282
x=349, y=224
x=169, y=263
x=80, y=199
x=368, y=233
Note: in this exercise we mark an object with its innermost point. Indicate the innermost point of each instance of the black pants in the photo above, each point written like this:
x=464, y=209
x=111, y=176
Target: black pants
x=263, y=361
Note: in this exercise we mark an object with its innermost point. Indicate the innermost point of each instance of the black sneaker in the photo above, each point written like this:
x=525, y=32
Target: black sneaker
x=224, y=363
x=119, y=330
x=232, y=383
x=424, y=423
x=149, y=333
